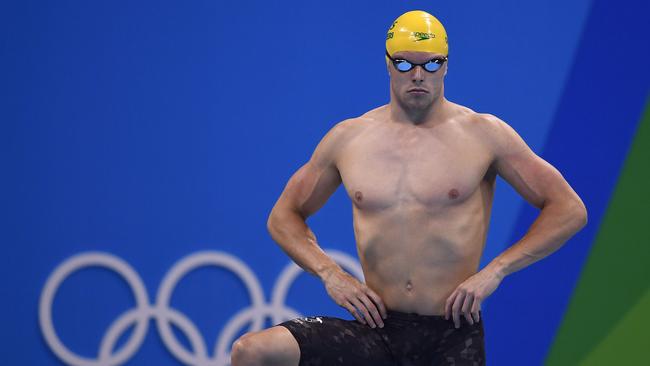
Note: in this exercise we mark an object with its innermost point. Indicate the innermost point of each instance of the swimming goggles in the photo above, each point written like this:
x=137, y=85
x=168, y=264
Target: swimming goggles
x=402, y=65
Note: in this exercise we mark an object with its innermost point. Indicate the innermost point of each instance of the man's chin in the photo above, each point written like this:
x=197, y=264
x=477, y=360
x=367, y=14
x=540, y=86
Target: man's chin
x=419, y=103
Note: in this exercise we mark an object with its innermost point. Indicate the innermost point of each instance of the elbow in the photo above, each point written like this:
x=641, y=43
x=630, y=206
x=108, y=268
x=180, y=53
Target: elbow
x=271, y=222
x=580, y=214
x=279, y=217
x=273, y=226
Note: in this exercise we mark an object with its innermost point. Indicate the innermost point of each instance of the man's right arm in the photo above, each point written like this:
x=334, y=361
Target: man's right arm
x=305, y=193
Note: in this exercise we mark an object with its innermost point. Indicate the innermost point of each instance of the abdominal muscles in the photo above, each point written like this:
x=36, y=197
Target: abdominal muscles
x=414, y=256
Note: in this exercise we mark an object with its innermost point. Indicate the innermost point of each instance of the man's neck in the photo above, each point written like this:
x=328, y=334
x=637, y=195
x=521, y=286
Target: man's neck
x=431, y=115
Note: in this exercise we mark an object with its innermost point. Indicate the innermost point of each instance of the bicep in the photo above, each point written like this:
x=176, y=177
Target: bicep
x=537, y=181
x=310, y=187
x=532, y=177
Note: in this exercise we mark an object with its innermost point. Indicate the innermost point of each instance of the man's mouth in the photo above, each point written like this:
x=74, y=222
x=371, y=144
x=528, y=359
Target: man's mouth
x=417, y=91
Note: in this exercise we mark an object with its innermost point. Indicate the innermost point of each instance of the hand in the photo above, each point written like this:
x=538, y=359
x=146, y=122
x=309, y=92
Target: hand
x=356, y=297
x=467, y=297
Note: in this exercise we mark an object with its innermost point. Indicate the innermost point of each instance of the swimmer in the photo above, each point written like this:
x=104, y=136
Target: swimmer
x=420, y=172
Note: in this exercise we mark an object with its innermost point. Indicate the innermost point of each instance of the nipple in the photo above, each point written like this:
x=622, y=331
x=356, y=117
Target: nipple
x=453, y=194
x=358, y=196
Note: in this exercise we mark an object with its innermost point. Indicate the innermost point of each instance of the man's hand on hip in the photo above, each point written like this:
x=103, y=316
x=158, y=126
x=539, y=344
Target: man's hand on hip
x=362, y=302
x=466, y=299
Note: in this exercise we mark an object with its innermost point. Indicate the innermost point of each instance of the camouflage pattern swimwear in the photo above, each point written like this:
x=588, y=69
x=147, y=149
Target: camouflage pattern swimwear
x=407, y=339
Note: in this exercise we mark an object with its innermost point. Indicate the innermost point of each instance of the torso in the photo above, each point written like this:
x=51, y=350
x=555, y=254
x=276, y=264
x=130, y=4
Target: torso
x=421, y=205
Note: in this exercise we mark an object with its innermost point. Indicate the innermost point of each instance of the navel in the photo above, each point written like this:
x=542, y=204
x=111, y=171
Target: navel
x=409, y=285
x=453, y=194
x=358, y=196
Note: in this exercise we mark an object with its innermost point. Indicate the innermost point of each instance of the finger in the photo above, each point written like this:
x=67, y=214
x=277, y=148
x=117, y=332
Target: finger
x=475, y=310
x=361, y=307
x=467, y=305
x=450, y=302
x=373, y=310
x=378, y=301
x=455, y=308
x=354, y=312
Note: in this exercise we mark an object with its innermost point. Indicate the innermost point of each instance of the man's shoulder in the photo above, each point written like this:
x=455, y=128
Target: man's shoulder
x=341, y=133
x=352, y=126
x=486, y=125
x=372, y=116
x=475, y=120
x=491, y=130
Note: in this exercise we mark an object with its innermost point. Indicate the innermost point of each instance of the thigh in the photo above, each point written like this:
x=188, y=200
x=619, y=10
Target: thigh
x=462, y=346
x=337, y=342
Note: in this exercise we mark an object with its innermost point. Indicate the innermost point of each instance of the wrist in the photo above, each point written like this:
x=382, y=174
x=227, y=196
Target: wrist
x=498, y=267
x=325, y=272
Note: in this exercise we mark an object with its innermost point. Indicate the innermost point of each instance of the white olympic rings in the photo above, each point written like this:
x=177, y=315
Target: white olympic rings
x=255, y=314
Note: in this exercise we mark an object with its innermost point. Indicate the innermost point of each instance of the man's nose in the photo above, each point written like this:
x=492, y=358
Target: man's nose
x=418, y=74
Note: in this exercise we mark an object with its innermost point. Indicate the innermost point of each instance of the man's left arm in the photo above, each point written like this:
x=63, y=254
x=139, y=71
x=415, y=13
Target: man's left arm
x=562, y=215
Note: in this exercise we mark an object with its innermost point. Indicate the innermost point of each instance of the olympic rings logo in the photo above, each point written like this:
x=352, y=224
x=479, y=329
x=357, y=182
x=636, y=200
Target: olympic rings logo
x=255, y=314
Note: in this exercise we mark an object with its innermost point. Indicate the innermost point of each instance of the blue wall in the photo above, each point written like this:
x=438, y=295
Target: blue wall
x=153, y=130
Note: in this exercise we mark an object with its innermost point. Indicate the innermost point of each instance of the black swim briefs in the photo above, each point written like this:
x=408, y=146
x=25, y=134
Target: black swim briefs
x=406, y=339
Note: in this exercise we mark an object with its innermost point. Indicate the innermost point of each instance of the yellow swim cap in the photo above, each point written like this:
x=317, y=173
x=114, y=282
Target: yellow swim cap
x=417, y=30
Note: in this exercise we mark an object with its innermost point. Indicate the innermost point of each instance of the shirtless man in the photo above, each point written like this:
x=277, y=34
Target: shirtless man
x=420, y=172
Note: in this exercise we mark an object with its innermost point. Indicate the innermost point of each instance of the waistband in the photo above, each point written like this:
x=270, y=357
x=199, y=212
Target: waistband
x=418, y=317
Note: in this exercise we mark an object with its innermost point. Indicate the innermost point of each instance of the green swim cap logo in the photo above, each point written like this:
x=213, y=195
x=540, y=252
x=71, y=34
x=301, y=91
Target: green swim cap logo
x=422, y=36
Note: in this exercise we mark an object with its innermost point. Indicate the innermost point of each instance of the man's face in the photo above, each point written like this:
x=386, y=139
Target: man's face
x=416, y=88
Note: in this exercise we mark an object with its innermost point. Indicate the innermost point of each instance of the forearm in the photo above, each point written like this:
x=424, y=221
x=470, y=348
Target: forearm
x=555, y=224
x=292, y=234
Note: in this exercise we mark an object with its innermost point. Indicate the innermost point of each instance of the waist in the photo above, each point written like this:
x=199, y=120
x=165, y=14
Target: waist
x=410, y=316
x=415, y=296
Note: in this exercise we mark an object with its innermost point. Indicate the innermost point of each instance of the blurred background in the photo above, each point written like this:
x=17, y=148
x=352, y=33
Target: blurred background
x=145, y=142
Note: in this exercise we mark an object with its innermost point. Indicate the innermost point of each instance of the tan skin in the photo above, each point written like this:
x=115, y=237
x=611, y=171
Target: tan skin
x=420, y=172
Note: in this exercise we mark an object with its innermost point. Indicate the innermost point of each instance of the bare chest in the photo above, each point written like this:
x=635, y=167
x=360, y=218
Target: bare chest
x=381, y=171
